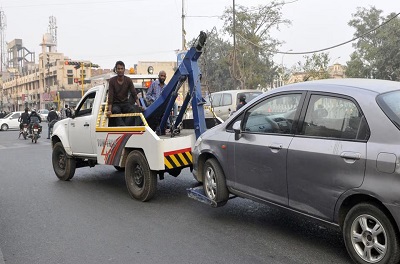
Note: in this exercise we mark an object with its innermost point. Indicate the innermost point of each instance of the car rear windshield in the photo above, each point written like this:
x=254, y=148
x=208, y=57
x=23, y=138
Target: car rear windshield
x=390, y=105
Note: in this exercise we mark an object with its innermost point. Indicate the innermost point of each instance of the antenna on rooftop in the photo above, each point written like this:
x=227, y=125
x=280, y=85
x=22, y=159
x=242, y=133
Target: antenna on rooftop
x=3, y=26
x=53, y=30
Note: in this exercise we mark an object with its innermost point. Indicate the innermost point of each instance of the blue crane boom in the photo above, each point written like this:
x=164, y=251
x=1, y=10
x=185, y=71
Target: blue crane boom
x=157, y=113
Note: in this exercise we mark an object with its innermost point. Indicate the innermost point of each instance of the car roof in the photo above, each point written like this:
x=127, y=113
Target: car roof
x=238, y=91
x=371, y=85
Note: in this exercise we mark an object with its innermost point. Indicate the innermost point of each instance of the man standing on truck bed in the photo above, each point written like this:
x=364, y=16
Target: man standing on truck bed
x=118, y=93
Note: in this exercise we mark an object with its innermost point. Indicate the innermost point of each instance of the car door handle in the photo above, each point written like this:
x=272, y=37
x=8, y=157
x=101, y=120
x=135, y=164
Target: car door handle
x=86, y=124
x=275, y=147
x=351, y=155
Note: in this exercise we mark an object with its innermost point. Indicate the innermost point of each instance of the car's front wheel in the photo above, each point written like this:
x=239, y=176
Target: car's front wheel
x=4, y=127
x=370, y=236
x=214, y=182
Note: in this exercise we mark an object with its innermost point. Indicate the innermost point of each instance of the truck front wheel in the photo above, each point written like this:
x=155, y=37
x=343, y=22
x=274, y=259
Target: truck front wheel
x=63, y=166
x=140, y=180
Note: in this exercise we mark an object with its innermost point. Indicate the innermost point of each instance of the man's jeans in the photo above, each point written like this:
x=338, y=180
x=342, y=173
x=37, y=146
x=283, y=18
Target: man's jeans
x=123, y=108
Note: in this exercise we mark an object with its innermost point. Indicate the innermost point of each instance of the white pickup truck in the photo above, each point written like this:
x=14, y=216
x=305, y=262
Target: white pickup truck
x=143, y=151
x=87, y=140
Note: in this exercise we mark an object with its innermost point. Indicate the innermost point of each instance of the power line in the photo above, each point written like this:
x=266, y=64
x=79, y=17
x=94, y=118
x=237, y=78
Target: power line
x=328, y=48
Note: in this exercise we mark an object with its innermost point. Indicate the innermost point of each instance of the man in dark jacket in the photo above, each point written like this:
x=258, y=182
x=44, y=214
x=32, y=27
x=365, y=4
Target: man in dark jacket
x=34, y=117
x=68, y=111
x=23, y=119
x=52, y=118
x=242, y=101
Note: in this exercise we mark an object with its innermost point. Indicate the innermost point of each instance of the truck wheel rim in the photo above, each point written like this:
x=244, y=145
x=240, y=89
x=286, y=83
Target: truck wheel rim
x=369, y=238
x=61, y=160
x=138, y=176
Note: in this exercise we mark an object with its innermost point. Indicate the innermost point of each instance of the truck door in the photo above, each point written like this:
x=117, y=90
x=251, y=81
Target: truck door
x=81, y=126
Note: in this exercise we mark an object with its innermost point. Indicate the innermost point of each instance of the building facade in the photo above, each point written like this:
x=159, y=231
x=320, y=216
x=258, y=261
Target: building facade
x=53, y=82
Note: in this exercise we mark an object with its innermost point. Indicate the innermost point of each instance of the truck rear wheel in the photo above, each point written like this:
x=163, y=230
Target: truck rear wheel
x=63, y=166
x=140, y=180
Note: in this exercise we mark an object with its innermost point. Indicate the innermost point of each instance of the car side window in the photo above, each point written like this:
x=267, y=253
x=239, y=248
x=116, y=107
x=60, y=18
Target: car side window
x=273, y=115
x=334, y=117
x=86, y=107
x=216, y=98
x=15, y=116
x=226, y=99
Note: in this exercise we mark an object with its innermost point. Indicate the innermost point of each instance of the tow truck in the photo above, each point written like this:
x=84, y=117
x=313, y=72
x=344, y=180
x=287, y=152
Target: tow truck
x=143, y=151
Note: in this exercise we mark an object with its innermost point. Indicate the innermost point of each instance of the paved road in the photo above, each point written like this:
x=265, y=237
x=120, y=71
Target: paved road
x=92, y=219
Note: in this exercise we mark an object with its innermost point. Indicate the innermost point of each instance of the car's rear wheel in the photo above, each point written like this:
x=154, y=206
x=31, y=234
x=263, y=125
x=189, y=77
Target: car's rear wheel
x=63, y=166
x=214, y=182
x=140, y=180
x=4, y=127
x=370, y=236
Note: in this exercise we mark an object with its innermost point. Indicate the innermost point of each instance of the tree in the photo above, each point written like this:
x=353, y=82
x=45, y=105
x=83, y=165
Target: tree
x=214, y=63
x=253, y=62
x=377, y=53
x=315, y=67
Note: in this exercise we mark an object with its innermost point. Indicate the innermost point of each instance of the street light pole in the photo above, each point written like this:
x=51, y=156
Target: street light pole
x=82, y=79
x=282, y=67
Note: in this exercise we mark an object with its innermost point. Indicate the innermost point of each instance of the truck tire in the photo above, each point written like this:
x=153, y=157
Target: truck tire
x=214, y=182
x=140, y=180
x=63, y=166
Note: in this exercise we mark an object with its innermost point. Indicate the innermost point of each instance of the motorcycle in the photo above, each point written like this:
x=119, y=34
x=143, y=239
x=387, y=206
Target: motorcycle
x=36, y=130
x=24, y=131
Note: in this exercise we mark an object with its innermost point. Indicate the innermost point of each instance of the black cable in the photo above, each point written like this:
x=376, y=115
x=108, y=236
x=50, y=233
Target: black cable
x=341, y=44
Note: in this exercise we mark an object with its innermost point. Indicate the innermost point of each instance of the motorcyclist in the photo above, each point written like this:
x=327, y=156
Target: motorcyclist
x=52, y=118
x=23, y=120
x=34, y=117
x=242, y=101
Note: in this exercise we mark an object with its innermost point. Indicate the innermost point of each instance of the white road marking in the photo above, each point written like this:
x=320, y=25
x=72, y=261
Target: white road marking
x=1, y=257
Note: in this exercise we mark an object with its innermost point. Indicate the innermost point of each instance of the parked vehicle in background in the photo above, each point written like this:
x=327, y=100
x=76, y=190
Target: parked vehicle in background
x=327, y=149
x=43, y=114
x=225, y=102
x=10, y=121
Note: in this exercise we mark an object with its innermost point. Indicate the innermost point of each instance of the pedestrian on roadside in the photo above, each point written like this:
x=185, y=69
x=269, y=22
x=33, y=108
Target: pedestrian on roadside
x=68, y=111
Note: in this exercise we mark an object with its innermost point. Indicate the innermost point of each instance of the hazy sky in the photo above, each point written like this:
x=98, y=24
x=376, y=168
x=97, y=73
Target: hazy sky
x=104, y=31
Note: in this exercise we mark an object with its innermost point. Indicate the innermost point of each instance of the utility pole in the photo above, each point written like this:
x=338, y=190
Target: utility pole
x=183, y=26
x=183, y=42
x=234, y=43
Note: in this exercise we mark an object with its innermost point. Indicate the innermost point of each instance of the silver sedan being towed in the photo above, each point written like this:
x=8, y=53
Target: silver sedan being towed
x=327, y=149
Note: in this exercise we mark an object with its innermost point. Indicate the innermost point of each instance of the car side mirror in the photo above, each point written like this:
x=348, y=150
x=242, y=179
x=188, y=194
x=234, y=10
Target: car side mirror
x=236, y=129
